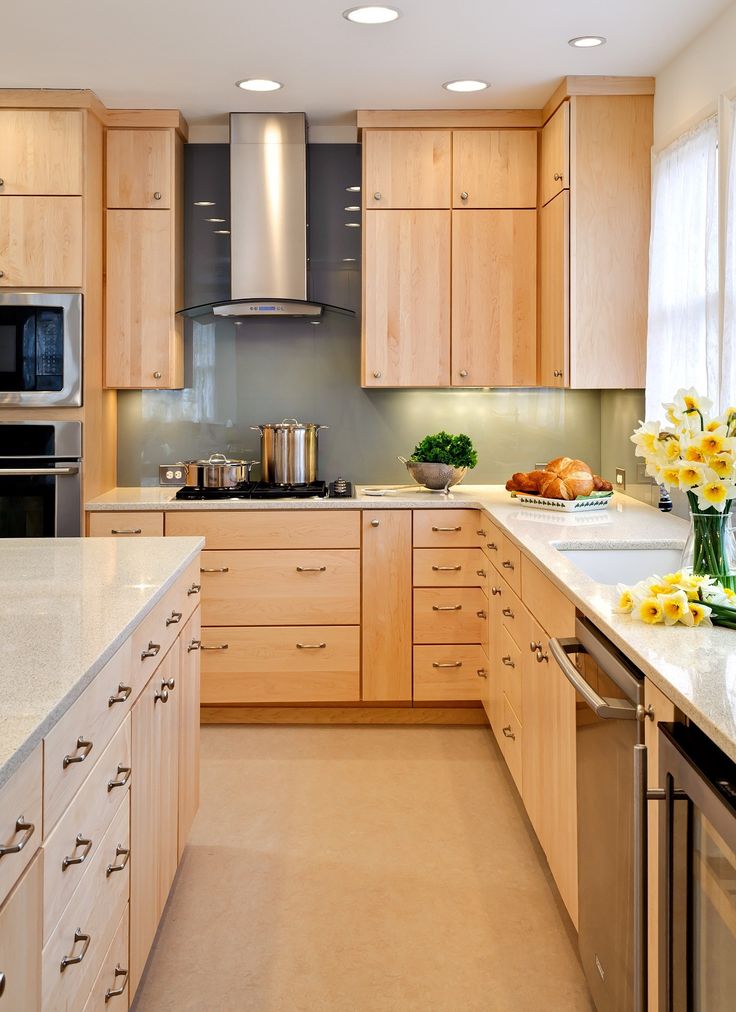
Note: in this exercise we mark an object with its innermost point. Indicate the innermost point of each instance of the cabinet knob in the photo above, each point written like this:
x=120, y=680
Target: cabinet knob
x=157, y=195
x=377, y=373
x=558, y=373
x=375, y=523
x=463, y=373
x=157, y=375
x=2, y=274
x=2, y=975
x=464, y=195
x=558, y=177
x=377, y=195
x=2, y=183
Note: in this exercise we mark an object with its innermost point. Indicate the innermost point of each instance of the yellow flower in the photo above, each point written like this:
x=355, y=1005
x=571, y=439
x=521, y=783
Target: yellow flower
x=672, y=578
x=694, y=454
x=670, y=449
x=690, y=475
x=715, y=494
x=675, y=607
x=715, y=441
x=651, y=611
x=700, y=614
x=669, y=476
x=723, y=465
x=690, y=400
x=655, y=589
x=625, y=603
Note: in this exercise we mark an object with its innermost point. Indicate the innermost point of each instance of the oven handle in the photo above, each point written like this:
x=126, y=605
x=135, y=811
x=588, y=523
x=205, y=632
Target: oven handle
x=21, y=472
x=608, y=709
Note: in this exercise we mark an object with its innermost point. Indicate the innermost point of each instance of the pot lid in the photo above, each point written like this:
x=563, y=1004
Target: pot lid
x=292, y=423
x=216, y=459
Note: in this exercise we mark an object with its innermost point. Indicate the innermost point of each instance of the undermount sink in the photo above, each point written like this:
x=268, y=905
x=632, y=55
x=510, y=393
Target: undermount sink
x=623, y=565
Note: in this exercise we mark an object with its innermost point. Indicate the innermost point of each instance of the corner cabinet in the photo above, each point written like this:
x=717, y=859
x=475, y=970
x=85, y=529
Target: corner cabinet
x=144, y=262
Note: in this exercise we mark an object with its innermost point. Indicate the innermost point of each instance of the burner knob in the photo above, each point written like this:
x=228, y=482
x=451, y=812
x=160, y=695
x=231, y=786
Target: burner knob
x=341, y=486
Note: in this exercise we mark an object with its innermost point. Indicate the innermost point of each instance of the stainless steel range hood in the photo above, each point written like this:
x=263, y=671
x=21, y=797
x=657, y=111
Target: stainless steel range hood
x=268, y=228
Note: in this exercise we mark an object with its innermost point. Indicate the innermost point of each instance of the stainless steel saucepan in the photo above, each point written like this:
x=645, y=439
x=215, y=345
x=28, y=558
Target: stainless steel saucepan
x=218, y=471
x=289, y=451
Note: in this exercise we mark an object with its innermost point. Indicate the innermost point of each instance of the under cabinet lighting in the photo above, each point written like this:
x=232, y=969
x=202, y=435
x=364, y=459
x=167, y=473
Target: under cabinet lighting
x=587, y=41
x=352, y=207
x=217, y=221
x=352, y=189
x=352, y=224
x=258, y=84
x=204, y=203
x=349, y=260
x=371, y=15
x=221, y=231
x=466, y=85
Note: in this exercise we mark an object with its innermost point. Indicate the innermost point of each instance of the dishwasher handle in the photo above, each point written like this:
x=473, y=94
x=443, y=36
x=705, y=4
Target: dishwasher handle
x=602, y=706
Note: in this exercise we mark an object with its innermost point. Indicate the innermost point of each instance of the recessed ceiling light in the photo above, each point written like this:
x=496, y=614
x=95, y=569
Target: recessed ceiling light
x=371, y=15
x=259, y=84
x=217, y=220
x=587, y=41
x=468, y=85
x=352, y=224
x=353, y=207
x=352, y=189
x=204, y=203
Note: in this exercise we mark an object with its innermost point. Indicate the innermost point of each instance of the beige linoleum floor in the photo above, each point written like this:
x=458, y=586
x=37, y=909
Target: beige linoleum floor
x=360, y=869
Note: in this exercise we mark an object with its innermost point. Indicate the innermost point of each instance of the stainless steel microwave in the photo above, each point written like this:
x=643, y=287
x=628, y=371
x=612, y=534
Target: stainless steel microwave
x=40, y=349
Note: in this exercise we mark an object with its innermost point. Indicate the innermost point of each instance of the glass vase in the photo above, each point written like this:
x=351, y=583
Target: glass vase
x=710, y=549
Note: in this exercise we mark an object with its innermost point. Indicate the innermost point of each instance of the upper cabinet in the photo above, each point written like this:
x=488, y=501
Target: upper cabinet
x=494, y=168
x=41, y=152
x=407, y=168
x=41, y=242
x=554, y=160
x=139, y=168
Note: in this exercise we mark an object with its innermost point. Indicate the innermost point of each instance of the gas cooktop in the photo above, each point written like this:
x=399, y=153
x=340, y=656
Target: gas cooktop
x=339, y=489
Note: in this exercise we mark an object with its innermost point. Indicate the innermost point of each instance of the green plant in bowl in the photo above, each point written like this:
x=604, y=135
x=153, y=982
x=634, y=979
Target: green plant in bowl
x=441, y=460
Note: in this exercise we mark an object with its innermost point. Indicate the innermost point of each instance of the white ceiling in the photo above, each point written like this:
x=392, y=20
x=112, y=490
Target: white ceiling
x=188, y=53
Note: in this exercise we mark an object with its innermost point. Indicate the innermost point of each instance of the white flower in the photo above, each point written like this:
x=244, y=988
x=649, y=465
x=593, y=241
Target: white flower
x=691, y=401
x=645, y=438
x=715, y=494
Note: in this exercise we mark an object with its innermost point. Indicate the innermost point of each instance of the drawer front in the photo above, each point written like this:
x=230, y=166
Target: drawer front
x=73, y=747
x=20, y=942
x=95, y=911
x=154, y=637
x=511, y=741
x=554, y=612
x=71, y=848
x=448, y=528
x=270, y=529
x=513, y=614
x=443, y=615
x=509, y=565
x=20, y=819
x=510, y=669
x=449, y=567
x=493, y=543
x=125, y=525
x=259, y=588
x=267, y=665
x=449, y=673
x=110, y=989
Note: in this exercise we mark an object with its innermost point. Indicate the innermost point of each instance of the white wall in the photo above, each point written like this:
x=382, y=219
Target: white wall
x=689, y=86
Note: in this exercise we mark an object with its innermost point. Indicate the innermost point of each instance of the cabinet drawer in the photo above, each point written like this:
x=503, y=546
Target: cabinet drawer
x=71, y=748
x=110, y=990
x=268, y=666
x=509, y=665
x=125, y=525
x=511, y=742
x=71, y=848
x=94, y=912
x=272, y=529
x=443, y=615
x=513, y=614
x=281, y=588
x=448, y=528
x=449, y=567
x=492, y=543
x=509, y=564
x=448, y=673
x=554, y=612
x=153, y=638
x=20, y=819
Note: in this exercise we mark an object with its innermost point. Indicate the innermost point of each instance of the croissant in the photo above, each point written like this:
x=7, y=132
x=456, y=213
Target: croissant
x=601, y=485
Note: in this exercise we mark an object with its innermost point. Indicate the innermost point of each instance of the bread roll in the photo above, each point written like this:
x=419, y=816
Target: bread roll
x=575, y=478
x=601, y=485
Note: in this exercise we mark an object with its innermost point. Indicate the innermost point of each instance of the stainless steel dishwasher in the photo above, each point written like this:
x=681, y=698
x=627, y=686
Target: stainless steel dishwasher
x=608, y=729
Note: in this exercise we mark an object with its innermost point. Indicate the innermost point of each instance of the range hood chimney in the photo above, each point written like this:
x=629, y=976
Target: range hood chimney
x=268, y=227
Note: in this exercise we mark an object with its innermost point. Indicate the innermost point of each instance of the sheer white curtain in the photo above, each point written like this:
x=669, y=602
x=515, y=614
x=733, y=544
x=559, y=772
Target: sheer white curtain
x=683, y=341
x=728, y=353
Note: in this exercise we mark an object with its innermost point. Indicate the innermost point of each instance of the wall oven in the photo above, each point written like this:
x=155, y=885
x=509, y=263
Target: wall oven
x=40, y=349
x=40, y=479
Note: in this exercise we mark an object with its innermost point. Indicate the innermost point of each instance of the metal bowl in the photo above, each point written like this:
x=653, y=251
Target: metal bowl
x=437, y=477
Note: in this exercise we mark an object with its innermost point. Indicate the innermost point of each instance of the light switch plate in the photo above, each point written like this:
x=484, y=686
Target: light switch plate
x=171, y=474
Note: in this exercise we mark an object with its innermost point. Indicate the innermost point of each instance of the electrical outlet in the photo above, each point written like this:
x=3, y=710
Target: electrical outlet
x=621, y=479
x=171, y=474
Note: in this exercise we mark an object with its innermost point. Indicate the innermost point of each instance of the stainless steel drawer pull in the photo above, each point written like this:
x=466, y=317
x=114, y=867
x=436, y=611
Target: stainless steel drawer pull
x=447, y=664
x=79, y=842
x=174, y=618
x=507, y=565
x=557, y=177
x=492, y=546
x=495, y=591
x=507, y=661
x=447, y=607
x=21, y=826
x=122, y=781
x=507, y=612
x=79, y=936
x=508, y=733
x=162, y=694
x=311, y=646
x=535, y=645
x=482, y=673
x=311, y=569
x=480, y=572
x=481, y=534
x=127, y=530
x=123, y=693
x=541, y=657
x=2, y=975
x=481, y=614
x=194, y=589
x=451, y=530
x=86, y=747
x=113, y=992
x=120, y=851
x=153, y=649
x=219, y=646
x=215, y=569
x=168, y=683
x=446, y=569
x=194, y=645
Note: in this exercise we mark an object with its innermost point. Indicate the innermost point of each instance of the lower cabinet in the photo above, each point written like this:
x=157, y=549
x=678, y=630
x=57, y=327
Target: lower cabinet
x=189, y=689
x=20, y=942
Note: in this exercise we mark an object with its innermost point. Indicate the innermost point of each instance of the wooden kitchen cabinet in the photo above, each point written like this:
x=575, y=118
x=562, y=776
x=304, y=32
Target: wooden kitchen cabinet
x=21, y=940
x=554, y=157
x=554, y=291
x=154, y=817
x=494, y=298
x=189, y=697
x=494, y=169
x=406, y=299
x=387, y=596
x=41, y=152
x=407, y=168
x=41, y=242
x=140, y=168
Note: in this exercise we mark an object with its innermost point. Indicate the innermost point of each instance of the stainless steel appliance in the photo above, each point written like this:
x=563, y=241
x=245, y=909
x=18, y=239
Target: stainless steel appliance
x=339, y=489
x=40, y=479
x=40, y=349
x=289, y=451
x=217, y=471
x=698, y=872
x=608, y=729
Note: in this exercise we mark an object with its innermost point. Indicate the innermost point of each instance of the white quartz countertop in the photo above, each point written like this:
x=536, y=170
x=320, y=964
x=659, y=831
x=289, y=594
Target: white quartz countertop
x=695, y=668
x=67, y=605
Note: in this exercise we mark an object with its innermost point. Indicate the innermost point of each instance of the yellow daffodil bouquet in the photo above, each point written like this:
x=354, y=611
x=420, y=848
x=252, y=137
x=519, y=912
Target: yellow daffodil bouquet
x=679, y=599
x=696, y=453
